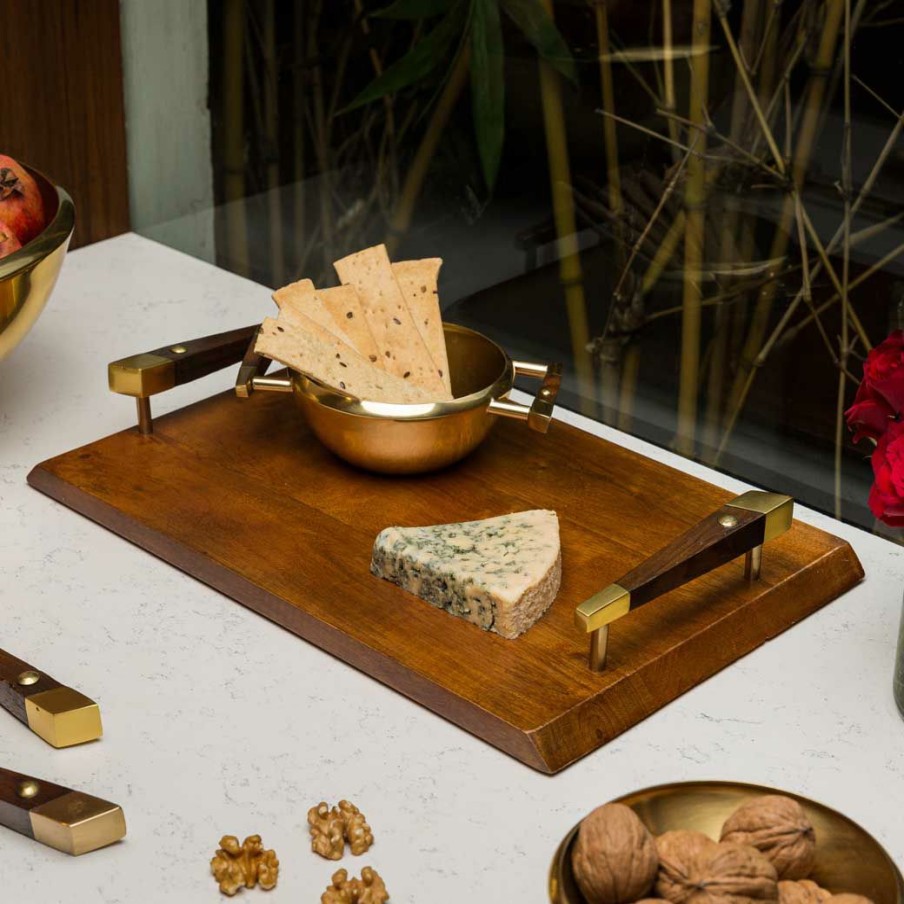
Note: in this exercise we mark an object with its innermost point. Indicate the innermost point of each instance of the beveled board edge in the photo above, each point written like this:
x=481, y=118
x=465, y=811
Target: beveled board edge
x=465, y=714
x=541, y=749
x=812, y=588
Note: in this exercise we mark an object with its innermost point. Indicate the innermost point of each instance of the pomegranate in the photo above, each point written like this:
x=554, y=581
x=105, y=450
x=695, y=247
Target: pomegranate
x=8, y=241
x=21, y=205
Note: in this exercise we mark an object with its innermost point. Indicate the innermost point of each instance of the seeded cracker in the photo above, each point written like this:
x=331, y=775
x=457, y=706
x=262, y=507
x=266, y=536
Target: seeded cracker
x=398, y=339
x=347, y=313
x=334, y=364
x=418, y=282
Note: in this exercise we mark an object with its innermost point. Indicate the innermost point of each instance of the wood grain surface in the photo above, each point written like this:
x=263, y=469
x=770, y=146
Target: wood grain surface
x=14, y=809
x=239, y=494
x=13, y=694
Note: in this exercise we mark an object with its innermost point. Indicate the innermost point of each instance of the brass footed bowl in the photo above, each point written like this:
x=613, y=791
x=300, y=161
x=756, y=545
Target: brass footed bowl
x=28, y=276
x=415, y=438
x=848, y=859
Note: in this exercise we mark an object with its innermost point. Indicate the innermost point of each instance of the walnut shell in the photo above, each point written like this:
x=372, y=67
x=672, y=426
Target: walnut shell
x=779, y=829
x=681, y=854
x=699, y=871
x=802, y=892
x=737, y=873
x=614, y=857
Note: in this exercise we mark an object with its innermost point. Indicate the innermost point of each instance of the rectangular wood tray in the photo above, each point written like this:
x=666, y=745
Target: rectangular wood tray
x=240, y=495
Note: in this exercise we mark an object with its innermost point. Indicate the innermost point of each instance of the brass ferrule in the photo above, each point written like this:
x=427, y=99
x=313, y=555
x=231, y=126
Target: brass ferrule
x=63, y=717
x=602, y=608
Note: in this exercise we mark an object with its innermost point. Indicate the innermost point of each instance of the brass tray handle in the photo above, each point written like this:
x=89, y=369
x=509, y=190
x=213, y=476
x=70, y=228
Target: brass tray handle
x=539, y=413
x=142, y=376
x=740, y=527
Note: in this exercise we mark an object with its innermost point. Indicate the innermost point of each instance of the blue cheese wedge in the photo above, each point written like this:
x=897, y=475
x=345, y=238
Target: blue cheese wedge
x=501, y=573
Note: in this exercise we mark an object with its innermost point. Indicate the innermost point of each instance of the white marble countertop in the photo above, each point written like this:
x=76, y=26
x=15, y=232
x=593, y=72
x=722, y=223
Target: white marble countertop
x=217, y=721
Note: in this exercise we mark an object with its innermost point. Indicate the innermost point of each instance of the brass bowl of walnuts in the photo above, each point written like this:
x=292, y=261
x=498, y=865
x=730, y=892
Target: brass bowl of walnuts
x=721, y=843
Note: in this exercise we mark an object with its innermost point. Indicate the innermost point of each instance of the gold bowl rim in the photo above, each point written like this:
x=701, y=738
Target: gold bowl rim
x=563, y=850
x=54, y=234
x=327, y=397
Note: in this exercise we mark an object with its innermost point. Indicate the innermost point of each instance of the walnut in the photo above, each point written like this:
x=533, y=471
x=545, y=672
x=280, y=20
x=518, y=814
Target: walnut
x=369, y=889
x=248, y=864
x=330, y=829
x=357, y=831
x=849, y=899
x=802, y=892
x=736, y=874
x=614, y=857
x=327, y=831
x=681, y=855
x=779, y=829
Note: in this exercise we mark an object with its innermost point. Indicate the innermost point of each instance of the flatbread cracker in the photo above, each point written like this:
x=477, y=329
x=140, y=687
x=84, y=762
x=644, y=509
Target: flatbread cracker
x=334, y=364
x=418, y=282
x=398, y=339
x=344, y=307
x=293, y=315
x=302, y=298
x=289, y=293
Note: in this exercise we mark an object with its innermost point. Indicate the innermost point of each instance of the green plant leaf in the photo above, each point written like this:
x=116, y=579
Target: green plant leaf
x=420, y=61
x=540, y=29
x=413, y=9
x=488, y=85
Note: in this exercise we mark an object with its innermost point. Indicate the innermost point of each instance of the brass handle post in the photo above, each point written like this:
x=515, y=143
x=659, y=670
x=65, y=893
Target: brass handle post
x=539, y=413
x=740, y=527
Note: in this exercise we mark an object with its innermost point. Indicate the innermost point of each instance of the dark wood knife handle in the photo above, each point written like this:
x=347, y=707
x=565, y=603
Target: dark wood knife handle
x=16, y=805
x=70, y=821
x=705, y=547
x=207, y=355
x=17, y=684
x=156, y=371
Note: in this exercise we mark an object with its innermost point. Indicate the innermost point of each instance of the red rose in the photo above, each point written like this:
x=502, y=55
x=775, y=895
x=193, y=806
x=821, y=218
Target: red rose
x=870, y=414
x=886, y=499
x=883, y=370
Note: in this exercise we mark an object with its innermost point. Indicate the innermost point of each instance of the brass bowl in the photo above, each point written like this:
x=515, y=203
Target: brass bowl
x=848, y=859
x=27, y=276
x=415, y=438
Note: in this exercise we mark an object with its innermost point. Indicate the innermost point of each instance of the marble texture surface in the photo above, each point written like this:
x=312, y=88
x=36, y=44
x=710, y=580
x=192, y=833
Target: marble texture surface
x=219, y=722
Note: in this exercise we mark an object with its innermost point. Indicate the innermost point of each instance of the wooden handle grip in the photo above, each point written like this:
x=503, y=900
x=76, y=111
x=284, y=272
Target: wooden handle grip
x=67, y=820
x=173, y=365
x=715, y=541
x=18, y=682
x=58, y=714
x=740, y=526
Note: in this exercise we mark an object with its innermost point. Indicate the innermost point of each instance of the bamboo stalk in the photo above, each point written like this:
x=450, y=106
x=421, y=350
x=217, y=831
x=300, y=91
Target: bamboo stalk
x=751, y=18
x=847, y=189
x=803, y=151
x=570, y=274
x=668, y=69
x=610, y=369
x=417, y=172
x=321, y=139
x=298, y=132
x=695, y=193
x=234, y=135
x=388, y=105
x=628, y=386
x=880, y=264
x=271, y=125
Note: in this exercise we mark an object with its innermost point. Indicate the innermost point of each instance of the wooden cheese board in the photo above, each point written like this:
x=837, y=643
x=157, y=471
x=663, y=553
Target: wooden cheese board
x=239, y=494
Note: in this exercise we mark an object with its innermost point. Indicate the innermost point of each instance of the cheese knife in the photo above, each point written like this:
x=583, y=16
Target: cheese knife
x=740, y=527
x=59, y=817
x=58, y=714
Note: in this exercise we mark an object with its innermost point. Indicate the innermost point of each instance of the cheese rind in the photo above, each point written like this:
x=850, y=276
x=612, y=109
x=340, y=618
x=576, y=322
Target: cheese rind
x=501, y=574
